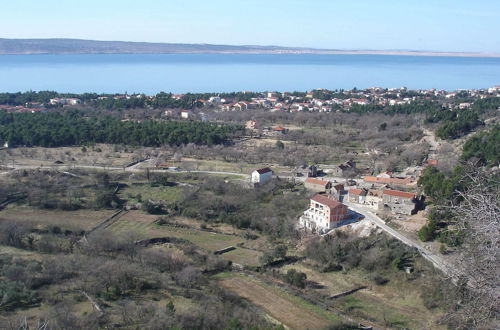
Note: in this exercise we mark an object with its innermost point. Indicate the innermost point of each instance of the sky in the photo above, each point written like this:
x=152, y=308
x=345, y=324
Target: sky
x=433, y=25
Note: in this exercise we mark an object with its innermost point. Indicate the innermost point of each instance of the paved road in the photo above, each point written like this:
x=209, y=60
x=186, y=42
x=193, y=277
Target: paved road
x=435, y=259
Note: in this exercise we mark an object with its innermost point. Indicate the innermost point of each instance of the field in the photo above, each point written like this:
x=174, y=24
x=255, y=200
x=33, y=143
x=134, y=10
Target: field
x=142, y=226
x=146, y=192
x=72, y=220
x=397, y=303
x=292, y=311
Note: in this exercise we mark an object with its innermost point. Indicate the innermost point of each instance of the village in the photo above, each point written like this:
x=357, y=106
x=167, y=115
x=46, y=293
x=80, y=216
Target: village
x=335, y=189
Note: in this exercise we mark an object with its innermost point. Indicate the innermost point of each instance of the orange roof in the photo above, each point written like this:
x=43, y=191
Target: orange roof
x=433, y=162
x=317, y=181
x=398, y=193
x=327, y=201
x=355, y=191
x=373, y=179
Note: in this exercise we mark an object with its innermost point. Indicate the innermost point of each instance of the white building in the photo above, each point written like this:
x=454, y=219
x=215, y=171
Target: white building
x=65, y=101
x=324, y=214
x=262, y=176
x=186, y=114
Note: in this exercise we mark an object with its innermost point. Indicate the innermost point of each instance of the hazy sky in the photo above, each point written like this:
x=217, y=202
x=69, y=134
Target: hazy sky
x=443, y=25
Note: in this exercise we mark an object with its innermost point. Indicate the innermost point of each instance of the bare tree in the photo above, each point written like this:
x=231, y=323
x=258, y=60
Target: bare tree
x=477, y=296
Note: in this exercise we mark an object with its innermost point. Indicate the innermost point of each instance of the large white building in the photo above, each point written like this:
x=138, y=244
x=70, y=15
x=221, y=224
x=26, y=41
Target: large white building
x=323, y=214
x=262, y=176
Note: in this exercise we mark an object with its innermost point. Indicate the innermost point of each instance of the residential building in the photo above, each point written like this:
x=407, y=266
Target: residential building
x=399, y=201
x=65, y=101
x=337, y=190
x=389, y=181
x=356, y=195
x=324, y=214
x=317, y=185
x=374, y=198
x=251, y=124
x=186, y=114
x=262, y=176
x=279, y=130
x=345, y=169
x=313, y=171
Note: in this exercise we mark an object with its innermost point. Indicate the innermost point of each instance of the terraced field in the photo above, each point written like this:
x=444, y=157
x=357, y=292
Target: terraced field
x=143, y=226
x=289, y=310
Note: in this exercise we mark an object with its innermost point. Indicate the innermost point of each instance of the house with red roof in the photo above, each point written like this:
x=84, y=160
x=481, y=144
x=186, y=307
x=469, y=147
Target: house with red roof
x=356, y=195
x=399, y=202
x=317, y=185
x=323, y=214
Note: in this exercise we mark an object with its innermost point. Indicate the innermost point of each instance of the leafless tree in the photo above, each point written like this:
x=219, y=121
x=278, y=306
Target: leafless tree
x=477, y=298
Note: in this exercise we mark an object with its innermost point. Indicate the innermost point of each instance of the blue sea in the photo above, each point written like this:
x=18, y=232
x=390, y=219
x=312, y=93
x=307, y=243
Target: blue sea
x=180, y=73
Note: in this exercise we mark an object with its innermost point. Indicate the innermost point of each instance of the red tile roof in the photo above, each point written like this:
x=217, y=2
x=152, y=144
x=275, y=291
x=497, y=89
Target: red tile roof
x=317, y=181
x=398, y=193
x=333, y=204
x=372, y=179
x=356, y=192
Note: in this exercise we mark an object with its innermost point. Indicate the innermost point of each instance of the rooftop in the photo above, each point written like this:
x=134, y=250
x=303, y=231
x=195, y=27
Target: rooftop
x=398, y=193
x=326, y=201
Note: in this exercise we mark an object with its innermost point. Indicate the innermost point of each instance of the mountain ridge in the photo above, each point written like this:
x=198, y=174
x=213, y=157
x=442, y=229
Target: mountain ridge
x=84, y=46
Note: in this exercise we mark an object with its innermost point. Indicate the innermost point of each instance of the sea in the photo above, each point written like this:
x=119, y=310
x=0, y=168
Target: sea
x=197, y=73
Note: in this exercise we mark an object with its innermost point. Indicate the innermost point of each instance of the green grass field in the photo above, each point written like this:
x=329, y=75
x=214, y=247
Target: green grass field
x=147, y=191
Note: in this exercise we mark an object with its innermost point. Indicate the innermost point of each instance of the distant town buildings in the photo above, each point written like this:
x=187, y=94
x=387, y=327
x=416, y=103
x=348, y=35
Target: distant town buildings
x=65, y=101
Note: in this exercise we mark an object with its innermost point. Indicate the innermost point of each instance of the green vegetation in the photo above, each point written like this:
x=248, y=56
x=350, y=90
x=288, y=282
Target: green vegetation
x=484, y=147
x=462, y=123
x=72, y=128
x=296, y=278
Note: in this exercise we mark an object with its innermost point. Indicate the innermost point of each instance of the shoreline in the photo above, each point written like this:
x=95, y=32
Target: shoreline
x=271, y=52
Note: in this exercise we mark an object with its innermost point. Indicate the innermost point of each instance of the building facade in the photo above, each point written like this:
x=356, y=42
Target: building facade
x=317, y=185
x=262, y=176
x=324, y=214
x=399, y=201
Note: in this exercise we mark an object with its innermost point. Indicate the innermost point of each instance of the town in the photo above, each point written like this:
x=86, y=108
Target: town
x=318, y=100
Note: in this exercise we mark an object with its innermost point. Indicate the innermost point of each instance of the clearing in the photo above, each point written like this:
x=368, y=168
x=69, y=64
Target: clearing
x=83, y=219
x=292, y=311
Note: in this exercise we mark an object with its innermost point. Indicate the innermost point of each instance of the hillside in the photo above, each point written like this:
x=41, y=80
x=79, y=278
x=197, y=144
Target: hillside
x=80, y=46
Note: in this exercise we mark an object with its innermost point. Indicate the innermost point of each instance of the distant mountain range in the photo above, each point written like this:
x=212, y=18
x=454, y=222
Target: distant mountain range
x=79, y=46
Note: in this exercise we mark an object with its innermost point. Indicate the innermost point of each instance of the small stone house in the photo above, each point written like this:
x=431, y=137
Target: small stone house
x=399, y=202
x=356, y=196
x=345, y=169
x=337, y=190
x=317, y=185
x=374, y=198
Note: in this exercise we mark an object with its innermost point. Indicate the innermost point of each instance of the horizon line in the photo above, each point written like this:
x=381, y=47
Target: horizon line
x=278, y=47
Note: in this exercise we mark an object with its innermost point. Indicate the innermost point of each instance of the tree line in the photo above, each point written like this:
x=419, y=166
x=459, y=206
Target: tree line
x=72, y=128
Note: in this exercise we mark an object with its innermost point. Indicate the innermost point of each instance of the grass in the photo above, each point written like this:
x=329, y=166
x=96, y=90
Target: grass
x=397, y=303
x=83, y=219
x=164, y=193
x=292, y=311
x=143, y=226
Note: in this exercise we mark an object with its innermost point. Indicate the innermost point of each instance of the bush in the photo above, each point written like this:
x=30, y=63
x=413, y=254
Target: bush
x=14, y=295
x=296, y=278
x=428, y=232
x=379, y=280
